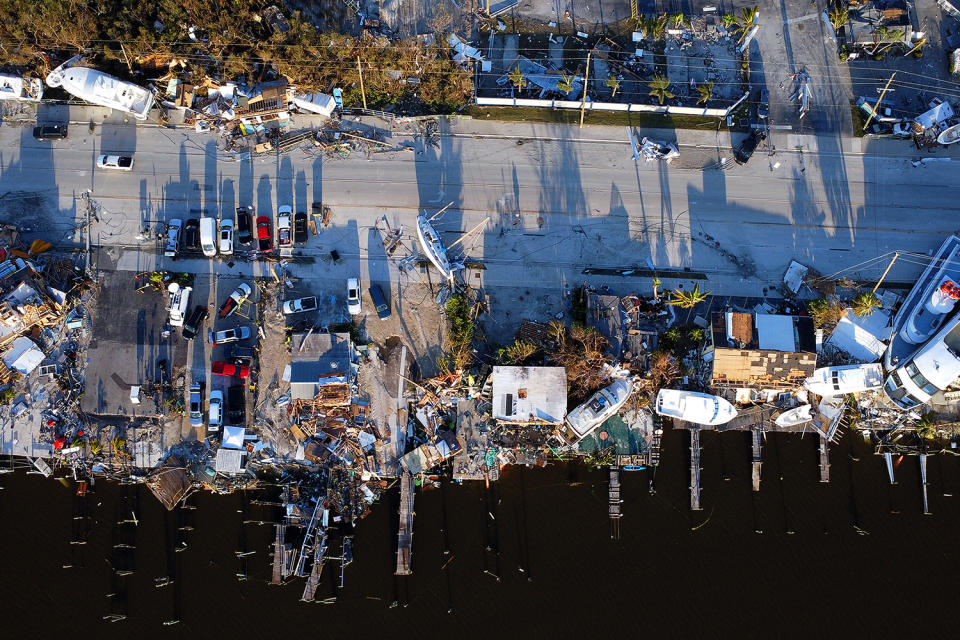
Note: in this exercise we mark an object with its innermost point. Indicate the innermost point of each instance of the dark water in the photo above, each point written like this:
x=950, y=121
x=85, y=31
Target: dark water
x=710, y=574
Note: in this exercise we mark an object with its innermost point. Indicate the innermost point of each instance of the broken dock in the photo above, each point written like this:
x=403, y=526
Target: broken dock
x=756, y=437
x=695, y=470
x=405, y=536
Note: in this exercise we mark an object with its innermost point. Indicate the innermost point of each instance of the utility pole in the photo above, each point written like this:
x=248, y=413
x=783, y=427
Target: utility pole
x=362, y=92
x=586, y=83
x=126, y=58
x=879, y=100
x=896, y=254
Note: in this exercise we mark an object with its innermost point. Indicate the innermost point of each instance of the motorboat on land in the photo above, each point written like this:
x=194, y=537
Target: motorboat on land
x=97, y=87
x=658, y=150
x=14, y=87
x=949, y=135
x=838, y=381
x=794, y=417
x=583, y=420
x=691, y=406
x=929, y=303
x=433, y=247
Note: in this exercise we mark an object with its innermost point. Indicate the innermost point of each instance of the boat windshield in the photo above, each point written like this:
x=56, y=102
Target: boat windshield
x=918, y=379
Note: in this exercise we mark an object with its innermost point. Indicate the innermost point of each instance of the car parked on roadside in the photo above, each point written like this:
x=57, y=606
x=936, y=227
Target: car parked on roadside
x=215, y=416
x=236, y=404
x=300, y=305
x=208, y=236
x=196, y=405
x=50, y=132
x=229, y=335
x=219, y=368
x=379, y=302
x=300, y=228
x=174, y=231
x=120, y=163
x=226, y=236
x=353, y=296
x=191, y=235
x=244, y=228
x=742, y=153
x=194, y=322
x=264, y=237
x=284, y=227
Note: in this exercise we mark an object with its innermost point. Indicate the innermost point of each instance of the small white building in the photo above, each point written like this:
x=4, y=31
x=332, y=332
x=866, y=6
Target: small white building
x=530, y=395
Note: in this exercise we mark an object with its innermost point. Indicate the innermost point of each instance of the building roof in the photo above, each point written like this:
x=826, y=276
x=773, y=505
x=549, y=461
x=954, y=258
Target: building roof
x=732, y=329
x=603, y=314
x=318, y=359
x=530, y=394
x=761, y=368
x=230, y=460
x=169, y=482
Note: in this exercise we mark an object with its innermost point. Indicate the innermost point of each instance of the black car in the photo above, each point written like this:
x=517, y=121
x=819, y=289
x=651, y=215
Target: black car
x=191, y=235
x=244, y=228
x=194, y=322
x=748, y=146
x=300, y=228
x=50, y=132
x=236, y=405
x=235, y=352
x=379, y=302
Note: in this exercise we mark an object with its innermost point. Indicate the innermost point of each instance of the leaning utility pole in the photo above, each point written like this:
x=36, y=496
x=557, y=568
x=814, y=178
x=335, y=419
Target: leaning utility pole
x=586, y=83
x=896, y=254
x=873, y=111
x=362, y=92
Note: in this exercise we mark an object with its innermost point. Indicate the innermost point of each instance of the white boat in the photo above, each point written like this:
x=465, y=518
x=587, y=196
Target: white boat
x=101, y=89
x=657, y=150
x=794, y=417
x=433, y=246
x=838, y=381
x=13, y=87
x=583, y=420
x=690, y=406
x=949, y=135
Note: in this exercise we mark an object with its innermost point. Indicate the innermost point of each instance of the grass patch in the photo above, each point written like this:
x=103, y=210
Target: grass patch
x=572, y=116
x=859, y=119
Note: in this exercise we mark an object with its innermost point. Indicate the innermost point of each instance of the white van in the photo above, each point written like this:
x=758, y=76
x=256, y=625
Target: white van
x=208, y=236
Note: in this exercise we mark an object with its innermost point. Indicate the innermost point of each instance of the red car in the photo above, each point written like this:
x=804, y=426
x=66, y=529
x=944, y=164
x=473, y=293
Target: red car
x=241, y=371
x=264, y=237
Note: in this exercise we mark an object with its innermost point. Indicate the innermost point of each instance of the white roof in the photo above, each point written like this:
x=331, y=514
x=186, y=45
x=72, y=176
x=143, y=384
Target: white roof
x=23, y=356
x=775, y=333
x=937, y=363
x=229, y=460
x=315, y=102
x=939, y=113
x=544, y=390
x=862, y=338
x=233, y=437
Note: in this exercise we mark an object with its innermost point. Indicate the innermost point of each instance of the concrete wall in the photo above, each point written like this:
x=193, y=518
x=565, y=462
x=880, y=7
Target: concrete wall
x=607, y=106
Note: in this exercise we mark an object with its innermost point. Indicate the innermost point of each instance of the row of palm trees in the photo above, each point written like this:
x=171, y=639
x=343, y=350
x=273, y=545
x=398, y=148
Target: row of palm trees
x=659, y=86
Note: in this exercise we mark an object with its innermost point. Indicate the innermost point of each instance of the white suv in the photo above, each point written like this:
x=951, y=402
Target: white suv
x=215, y=418
x=226, y=236
x=353, y=296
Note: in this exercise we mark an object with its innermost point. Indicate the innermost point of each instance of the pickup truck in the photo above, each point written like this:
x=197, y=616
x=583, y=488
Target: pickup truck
x=236, y=407
x=285, y=229
x=300, y=305
x=237, y=298
x=229, y=369
x=228, y=335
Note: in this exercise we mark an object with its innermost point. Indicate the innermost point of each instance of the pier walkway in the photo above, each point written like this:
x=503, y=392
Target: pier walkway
x=824, y=460
x=756, y=437
x=405, y=537
x=695, y=470
x=613, y=502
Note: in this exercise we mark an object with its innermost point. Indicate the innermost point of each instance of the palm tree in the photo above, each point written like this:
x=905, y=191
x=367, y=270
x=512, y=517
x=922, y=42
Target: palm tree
x=516, y=76
x=614, y=83
x=865, y=303
x=747, y=17
x=925, y=426
x=656, y=285
x=705, y=91
x=688, y=299
x=659, y=27
x=729, y=21
x=96, y=447
x=696, y=334
x=519, y=351
x=659, y=86
x=839, y=15
x=566, y=84
x=119, y=446
x=677, y=20
x=558, y=332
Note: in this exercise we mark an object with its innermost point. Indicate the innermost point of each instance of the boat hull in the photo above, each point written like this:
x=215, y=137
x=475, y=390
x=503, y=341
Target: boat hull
x=691, y=406
x=949, y=135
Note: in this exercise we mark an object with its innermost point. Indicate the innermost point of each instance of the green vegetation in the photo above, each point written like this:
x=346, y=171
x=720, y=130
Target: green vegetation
x=705, y=91
x=7, y=395
x=517, y=78
x=826, y=313
x=859, y=119
x=572, y=116
x=839, y=16
x=580, y=351
x=517, y=353
x=865, y=303
x=460, y=335
x=688, y=299
x=659, y=87
x=926, y=426
x=96, y=447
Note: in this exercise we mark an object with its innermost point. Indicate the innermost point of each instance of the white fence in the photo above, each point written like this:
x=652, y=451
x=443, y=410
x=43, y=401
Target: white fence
x=609, y=106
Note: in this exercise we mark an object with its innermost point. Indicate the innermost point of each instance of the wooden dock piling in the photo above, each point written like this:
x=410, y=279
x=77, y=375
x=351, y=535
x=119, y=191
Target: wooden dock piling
x=279, y=554
x=756, y=435
x=613, y=502
x=824, y=460
x=405, y=537
x=695, y=470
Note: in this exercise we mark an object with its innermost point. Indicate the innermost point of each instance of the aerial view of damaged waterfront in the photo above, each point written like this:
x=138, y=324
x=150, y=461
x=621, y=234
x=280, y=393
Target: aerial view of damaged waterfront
x=526, y=318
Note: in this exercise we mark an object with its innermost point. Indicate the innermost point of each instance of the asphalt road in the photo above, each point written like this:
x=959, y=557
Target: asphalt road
x=570, y=200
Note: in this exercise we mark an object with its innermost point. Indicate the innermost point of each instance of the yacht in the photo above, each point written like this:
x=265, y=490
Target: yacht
x=793, y=417
x=931, y=369
x=929, y=303
x=433, y=247
x=583, y=420
x=101, y=89
x=14, y=87
x=949, y=135
x=690, y=406
x=838, y=381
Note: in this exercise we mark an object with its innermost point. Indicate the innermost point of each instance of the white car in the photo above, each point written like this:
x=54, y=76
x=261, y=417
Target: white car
x=215, y=416
x=196, y=405
x=226, y=236
x=179, y=301
x=120, y=163
x=229, y=335
x=903, y=129
x=174, y=232
x=353, y=296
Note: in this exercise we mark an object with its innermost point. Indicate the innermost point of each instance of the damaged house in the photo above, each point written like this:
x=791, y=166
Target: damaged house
x=760, y=355
x=529, y=395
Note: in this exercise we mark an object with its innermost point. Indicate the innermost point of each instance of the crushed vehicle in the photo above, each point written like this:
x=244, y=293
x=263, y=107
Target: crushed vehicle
x=748, y=146
x=194, y=322
x=300, y=305
x=237, y=298
x=657, y=150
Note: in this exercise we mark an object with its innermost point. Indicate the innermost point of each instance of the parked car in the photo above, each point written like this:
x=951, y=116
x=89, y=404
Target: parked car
x=179, y=301
x=353, y=296
x=196, y=405
x=219, y=368
x=237, y=298
x=174, y=231
x=215, y=417
x=264, y=238
x=763, y=107
x=748, y=146
x=903, y=129
x=284, y=227
x=300, y=305
x=50, y=132
x=244, y=230
x=379, y=302
x=226, y=236
x=236, y=404
x=120, y=163
x=191, y=235
x=300, y=228
x=208, y=236
x=236, y=352
x=229, y=335
x=194, y=322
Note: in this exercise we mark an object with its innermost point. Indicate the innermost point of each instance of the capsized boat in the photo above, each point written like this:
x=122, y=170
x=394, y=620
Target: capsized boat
x=97, y=87
x=657, y=150
x=949, y=135
x=14, y=87
x=838, y=381
x=583, y=420
x=433, y=246
x=794, y=417
x=690, y=406
x=927, y=305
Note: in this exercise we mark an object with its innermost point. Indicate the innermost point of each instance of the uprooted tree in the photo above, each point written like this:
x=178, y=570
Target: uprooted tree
x=580, y=351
